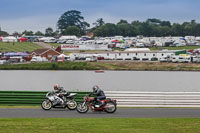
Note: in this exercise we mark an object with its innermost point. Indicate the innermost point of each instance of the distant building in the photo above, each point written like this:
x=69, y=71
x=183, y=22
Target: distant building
x=48, y=53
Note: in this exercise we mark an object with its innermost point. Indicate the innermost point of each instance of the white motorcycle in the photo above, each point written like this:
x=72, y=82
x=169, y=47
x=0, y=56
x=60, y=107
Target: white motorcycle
x=53, y=101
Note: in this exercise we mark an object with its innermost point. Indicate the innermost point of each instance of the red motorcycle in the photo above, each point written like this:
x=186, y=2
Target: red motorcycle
x=109, y=105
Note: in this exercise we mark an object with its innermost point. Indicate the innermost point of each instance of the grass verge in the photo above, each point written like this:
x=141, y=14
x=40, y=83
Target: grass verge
x=145, y=66
x=49, y=66
x=176, y=48
x=102, y=125
x=18, y=47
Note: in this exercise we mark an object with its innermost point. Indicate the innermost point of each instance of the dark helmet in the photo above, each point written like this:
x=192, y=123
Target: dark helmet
x=95, y=88
x=56, y=86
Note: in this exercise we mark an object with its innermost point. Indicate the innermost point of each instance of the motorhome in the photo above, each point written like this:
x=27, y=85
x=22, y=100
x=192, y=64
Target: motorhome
x=181, y=59
x=195, y=59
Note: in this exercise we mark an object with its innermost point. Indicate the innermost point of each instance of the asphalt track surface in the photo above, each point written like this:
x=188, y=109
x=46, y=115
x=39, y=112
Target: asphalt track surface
x=120, y=113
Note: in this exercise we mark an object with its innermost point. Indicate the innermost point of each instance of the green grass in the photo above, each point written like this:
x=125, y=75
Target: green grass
x=119, y=49
x=107, y=65
x=99, y=125
x=49, y=66
x=54, y=44
x=18, y=47
x=176, y=48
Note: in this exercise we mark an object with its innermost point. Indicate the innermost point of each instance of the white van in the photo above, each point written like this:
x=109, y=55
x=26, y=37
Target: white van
x=91, y=58
x=3, y=62
x=38, y=59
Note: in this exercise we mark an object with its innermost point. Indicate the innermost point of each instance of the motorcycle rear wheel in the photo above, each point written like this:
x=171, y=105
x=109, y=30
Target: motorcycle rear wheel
x=72, y=105
x=110, y=107
x=46, y=104
x=82, y=108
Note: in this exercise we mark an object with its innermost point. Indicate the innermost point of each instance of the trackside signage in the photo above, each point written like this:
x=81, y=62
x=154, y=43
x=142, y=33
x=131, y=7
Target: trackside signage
x=70, y=46
x=83, y=47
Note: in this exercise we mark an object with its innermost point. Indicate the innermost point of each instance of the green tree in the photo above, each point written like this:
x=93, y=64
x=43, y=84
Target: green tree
x=122, y=22
x=108, y=29
x=16, y=33
x=71, y=18
x=165, y=23
x=27, y=33
x=177, y=30
x=125, y=29
x=99, y=22
x=163, y=31
x=39, y=33
x=154, y=21
x=151, y=27
x=72, y=30
x=49, y=32
x=3, y=33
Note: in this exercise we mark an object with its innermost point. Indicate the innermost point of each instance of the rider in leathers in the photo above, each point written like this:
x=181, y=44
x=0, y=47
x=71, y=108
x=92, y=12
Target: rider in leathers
x=99, y=95
x=61, y=93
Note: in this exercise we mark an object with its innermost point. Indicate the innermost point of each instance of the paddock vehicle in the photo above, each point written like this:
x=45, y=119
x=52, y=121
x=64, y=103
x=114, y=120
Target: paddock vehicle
x=109, y=105
x=53, y=101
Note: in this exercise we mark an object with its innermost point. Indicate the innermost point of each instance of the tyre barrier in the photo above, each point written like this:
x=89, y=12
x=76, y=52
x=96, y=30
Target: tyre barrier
x=29, y=97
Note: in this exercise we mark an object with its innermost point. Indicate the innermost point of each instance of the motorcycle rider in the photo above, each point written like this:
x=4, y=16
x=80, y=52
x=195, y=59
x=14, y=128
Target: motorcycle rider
x=99, y=95
x=61, y=93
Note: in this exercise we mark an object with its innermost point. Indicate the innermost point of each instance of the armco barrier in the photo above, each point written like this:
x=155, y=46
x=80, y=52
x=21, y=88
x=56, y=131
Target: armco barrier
x=155, y=99
x=28, y=97
x=124, y=98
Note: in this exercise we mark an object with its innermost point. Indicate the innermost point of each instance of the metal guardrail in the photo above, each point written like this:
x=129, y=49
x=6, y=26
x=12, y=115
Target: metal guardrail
x=155, y=99
x=124, y=98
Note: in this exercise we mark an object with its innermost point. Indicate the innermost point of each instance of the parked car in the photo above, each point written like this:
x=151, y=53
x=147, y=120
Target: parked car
x=166, y=59
x=61, y=41
x=100, y=58
x=51, y=41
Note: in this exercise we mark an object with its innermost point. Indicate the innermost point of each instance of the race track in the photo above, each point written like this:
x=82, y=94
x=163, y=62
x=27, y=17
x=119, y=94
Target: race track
x=120, y=113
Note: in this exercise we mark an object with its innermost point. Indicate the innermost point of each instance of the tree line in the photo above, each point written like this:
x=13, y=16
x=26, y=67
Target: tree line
x=73, y=23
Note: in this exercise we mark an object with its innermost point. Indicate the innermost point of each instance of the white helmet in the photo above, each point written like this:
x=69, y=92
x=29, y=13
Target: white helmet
x=95, y=88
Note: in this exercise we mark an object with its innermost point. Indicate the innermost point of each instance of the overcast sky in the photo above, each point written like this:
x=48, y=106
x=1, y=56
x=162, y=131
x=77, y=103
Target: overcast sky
x=18, y=15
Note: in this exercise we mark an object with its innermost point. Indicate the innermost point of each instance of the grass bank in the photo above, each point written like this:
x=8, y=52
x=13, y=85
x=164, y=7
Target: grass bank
x=18, y=47
x=105, y=65
x=102, y=125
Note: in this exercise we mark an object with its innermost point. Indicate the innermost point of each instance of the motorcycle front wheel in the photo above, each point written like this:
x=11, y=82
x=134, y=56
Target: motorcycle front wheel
x=82, y=108
x=110, y=107
x=46, y=104
x=71, y=105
